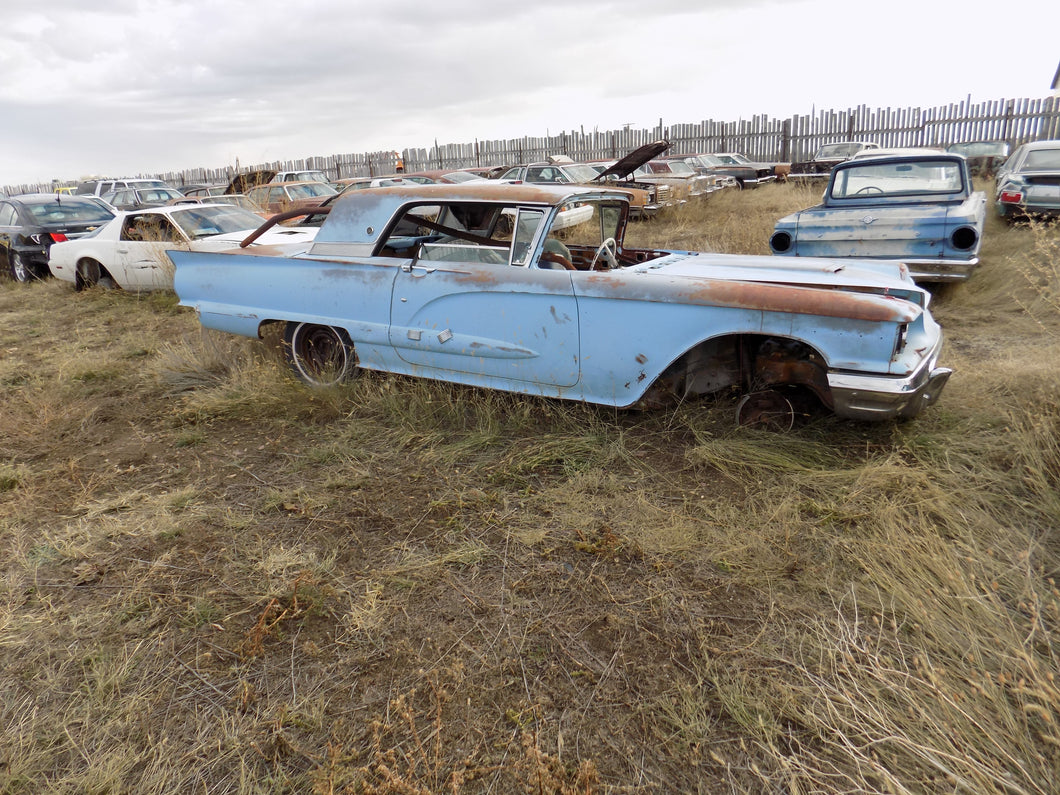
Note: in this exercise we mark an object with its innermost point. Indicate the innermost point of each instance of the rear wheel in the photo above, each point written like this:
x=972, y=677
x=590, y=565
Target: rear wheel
x=21, y=269
x=319, y=355
x=89, y=274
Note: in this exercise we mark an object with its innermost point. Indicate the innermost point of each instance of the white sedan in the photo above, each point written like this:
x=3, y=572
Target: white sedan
x=129, y=251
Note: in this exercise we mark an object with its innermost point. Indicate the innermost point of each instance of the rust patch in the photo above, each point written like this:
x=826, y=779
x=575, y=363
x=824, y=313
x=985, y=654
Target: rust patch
x=792, y=299
x=565, y=318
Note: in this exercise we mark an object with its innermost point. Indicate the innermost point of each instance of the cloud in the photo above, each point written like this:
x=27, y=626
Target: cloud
x=147, y=86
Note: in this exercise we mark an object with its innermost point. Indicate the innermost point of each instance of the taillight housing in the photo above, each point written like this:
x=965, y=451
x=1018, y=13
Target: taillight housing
x=900, y=339
x=47, y=238
x=1010, y=197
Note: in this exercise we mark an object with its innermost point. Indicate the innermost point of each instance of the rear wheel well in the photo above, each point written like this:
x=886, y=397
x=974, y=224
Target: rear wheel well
x=89, y=273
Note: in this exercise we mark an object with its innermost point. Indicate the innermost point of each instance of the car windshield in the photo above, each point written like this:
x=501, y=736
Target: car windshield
x=233, y=198
x=579, y=172
x=310, y=190
x=144, y=184
x=160, y=194
x=873, y=180
x=1042, y=159
x=214, y=219
x=710, y=161
x=494, y=234
x=460, y=176
x=832, y=151
x=980, y=149
x=681, y=168
x=65, y=211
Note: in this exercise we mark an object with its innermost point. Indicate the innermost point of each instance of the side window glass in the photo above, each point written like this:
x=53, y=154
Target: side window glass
x=526, y=226
x=8, y=216
x=130, y=229
x=167, y=232
x=466, y=233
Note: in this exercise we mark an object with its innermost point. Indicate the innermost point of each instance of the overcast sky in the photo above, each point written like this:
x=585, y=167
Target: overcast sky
x=126, y=87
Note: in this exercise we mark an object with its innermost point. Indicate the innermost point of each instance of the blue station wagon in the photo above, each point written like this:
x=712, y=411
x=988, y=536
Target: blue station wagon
x=917, y=209
x=507, y=287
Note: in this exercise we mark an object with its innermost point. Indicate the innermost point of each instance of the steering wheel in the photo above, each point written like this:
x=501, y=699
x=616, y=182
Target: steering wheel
x=559, y=259
x=869, y=189
x=609, y=250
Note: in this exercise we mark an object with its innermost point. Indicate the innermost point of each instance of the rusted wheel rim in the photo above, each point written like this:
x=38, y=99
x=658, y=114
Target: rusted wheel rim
x=766, y=409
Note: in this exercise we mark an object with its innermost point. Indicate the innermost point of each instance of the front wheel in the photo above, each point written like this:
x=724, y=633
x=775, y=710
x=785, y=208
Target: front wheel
x=319, y=355
x=767, y=409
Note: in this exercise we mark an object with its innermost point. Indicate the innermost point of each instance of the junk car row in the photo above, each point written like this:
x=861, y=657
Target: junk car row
x=525, y=284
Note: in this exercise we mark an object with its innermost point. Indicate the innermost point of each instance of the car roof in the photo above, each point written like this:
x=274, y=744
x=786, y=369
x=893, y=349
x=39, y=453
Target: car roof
x=1049, y=144
x=865, y=154
x=488, y=191
x=168, y=209
x=291, y=182
x=41, y=198
x=359, y=218
x=914, y=157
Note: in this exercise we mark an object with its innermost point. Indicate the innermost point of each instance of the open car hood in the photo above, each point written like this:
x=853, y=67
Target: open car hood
x=241, y=183
x=635, y=159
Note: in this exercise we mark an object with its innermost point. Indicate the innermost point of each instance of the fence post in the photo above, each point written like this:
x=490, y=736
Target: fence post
x=1008, y=123
x=785, y=141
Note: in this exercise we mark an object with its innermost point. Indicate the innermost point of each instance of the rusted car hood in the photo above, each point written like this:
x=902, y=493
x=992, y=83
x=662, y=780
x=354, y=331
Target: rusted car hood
x=856, y=288
x=808, y=271
x=241, y=183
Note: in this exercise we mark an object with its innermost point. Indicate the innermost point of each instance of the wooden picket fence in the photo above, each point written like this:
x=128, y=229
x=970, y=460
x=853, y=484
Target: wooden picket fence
x=760, y=138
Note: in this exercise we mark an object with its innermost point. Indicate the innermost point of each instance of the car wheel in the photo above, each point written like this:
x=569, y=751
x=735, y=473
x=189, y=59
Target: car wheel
x=319, y=355
x=21, y=270
x=767, y=409
x=89, y=274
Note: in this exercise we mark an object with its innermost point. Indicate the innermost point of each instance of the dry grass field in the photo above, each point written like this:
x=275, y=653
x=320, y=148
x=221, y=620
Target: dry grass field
x=216, y=580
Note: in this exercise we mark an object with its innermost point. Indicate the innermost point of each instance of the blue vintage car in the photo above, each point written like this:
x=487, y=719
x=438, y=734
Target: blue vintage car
x=917, y=209
x=507, y=287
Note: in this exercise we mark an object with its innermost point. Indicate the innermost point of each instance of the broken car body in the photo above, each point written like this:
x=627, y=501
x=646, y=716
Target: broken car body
x=437, y=281
x=128, y=251
x=826, y=158
x=919, y=209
